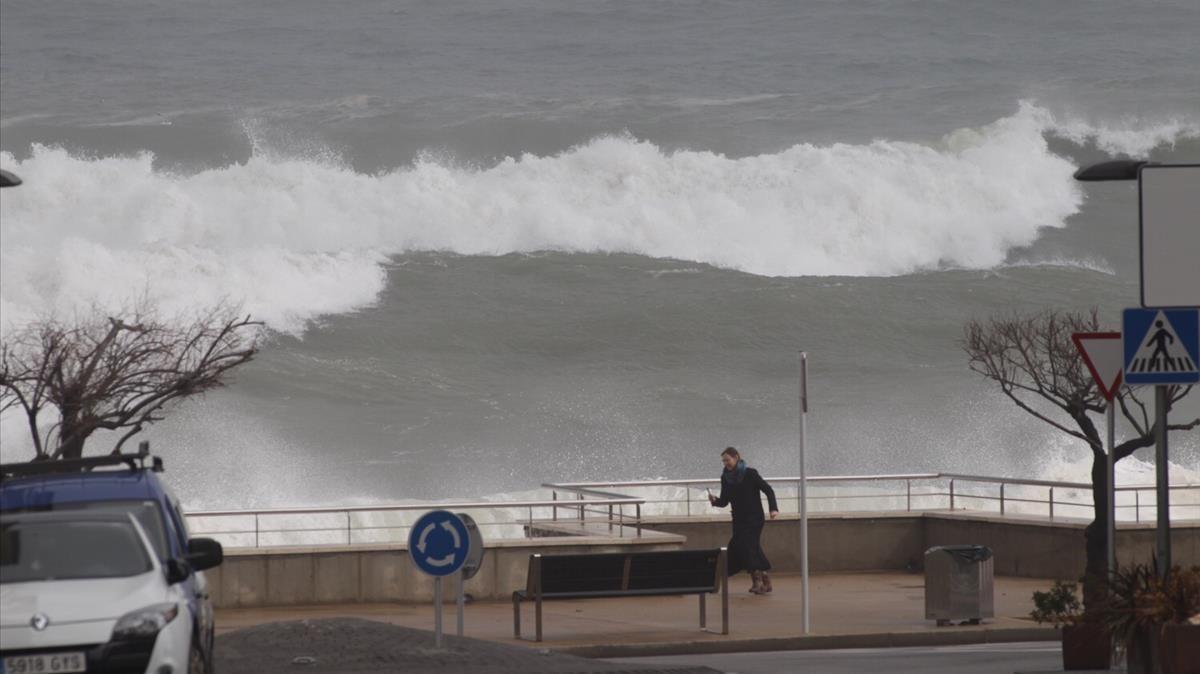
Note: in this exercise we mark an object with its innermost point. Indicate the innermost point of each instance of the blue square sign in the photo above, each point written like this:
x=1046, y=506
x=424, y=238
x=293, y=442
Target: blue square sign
x=1162, y=346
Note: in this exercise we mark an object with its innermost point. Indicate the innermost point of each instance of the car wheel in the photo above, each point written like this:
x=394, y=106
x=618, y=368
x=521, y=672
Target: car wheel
x=196, y=664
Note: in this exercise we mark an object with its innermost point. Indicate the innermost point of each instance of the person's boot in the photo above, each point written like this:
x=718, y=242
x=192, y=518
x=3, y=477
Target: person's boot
x=756, y=586
x=766, y=583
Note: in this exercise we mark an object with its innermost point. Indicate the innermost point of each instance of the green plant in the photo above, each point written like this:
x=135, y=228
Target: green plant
x=1139, y=600
x=1058, y=606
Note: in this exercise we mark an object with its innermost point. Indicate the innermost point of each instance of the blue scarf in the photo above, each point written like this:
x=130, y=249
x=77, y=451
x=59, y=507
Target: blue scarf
x=734, y=477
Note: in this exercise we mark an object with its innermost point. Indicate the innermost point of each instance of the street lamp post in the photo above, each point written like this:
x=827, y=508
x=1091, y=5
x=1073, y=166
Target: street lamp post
x=1131, y=169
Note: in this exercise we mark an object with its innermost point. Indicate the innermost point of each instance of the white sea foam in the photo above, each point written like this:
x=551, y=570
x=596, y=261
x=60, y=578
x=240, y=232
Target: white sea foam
x=1098, y=265
x=1131, y=471
x=294, y=238
x=104, y=230
x=1130, y=137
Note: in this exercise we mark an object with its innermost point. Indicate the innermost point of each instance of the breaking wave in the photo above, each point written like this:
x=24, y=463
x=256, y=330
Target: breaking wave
x=292, y=238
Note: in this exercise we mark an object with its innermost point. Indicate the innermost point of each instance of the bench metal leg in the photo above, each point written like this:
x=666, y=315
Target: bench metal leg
x=724, y=567
x=703, y=612
x=539, y=617
x=537, y=587
x=516, y=616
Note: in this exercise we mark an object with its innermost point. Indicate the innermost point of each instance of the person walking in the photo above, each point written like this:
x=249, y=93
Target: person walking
x=740, y=488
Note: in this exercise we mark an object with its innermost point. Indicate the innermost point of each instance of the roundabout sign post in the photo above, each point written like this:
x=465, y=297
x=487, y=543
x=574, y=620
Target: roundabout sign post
x=440, y=544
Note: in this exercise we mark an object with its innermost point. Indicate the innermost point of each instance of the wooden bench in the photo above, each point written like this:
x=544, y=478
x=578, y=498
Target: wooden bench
x=625, y=574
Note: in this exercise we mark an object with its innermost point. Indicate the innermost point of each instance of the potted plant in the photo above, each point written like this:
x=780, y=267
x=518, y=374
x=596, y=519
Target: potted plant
x=1155, y=620
x=1086, y=643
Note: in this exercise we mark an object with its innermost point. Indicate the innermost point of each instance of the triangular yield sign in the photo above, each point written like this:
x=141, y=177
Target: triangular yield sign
x=1161, y=350
x=1102, y=353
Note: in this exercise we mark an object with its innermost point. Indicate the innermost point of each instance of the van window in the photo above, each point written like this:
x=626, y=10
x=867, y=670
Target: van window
x=37, y=551
x=147, y=513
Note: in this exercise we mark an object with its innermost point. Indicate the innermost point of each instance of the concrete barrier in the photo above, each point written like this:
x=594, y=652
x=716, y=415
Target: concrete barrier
x=385, y=573
x=1029, y=547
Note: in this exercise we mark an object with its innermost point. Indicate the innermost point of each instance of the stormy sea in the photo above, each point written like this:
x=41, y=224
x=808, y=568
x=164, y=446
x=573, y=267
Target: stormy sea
x=501, y=243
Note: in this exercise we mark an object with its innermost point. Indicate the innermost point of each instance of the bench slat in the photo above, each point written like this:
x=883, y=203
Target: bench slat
x=699, y=568
x=525, y=596
x=615, y=572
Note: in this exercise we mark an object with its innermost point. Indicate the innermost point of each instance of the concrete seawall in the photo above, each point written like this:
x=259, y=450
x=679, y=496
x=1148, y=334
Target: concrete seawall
x=385, y=573
x=1029, y=547
x=1024, y=546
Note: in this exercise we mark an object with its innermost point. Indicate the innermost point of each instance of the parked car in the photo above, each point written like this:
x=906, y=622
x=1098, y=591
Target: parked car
x=126, y=485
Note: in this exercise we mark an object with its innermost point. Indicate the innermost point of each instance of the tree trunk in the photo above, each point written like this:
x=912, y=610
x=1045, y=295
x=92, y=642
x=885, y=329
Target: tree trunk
x=73, y=447
x=1096, y=537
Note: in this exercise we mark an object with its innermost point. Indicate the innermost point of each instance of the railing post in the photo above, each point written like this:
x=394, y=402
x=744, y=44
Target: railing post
x=1051, y=502
x=687, y=493
x=554, y=509
x=639, y=519
x=1137, y=505
x=952, y=494
x=348, y=540
x=580, y=507
x=908, y=495
x=256, y=530
x=610, y=517
x=1001, y=498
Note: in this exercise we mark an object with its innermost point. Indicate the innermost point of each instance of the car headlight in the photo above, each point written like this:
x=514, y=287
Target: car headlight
x=145, y=622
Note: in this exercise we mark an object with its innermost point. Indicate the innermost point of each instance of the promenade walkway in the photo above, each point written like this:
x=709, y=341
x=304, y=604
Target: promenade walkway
x=858, y=610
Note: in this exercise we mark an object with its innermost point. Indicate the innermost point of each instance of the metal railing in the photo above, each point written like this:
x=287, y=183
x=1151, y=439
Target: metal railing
x=591, y=508
x=951, y=495
x=346, y=525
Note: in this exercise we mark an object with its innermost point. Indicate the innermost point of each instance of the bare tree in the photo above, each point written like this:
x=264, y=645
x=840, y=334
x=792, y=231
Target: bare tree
x=1036, y=364
x=100, y=372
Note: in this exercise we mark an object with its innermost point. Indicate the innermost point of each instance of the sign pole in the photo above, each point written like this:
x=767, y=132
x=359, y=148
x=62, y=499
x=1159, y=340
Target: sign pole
x=804, y=489
x=437, y=612
x=461, y=601
x=439, y=544
x=1112, y=488
x=1162, y=348
x=1163, y=480
x=1102, y=353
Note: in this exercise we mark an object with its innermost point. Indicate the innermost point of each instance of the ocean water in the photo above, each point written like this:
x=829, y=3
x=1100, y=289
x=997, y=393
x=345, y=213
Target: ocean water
x=502, y=243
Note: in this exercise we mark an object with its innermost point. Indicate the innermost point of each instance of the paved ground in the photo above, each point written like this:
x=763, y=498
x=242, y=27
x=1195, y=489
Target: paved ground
x=354, y=645
x=977, y=659
x=849, y=610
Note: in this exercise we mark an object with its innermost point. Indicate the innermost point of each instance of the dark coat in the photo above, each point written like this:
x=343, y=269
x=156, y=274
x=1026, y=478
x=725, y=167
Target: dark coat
x=745, y=548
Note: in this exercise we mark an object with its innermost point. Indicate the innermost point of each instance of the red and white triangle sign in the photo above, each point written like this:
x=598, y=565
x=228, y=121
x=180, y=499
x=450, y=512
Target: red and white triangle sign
x=1102, y=353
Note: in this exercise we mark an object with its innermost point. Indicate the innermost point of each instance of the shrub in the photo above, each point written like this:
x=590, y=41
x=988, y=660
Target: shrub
x=1059, y=606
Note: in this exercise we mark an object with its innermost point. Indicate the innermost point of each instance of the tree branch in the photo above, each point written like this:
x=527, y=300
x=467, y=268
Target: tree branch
x=108, y=373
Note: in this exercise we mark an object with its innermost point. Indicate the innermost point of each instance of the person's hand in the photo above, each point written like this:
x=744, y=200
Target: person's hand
x=774, y=514
x=712, y=500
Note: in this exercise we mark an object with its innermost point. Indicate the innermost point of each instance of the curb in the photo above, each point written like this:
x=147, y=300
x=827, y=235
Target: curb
x=818, y=642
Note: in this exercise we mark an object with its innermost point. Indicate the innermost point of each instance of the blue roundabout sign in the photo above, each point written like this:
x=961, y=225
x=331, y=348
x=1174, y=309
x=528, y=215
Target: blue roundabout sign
x=439, y=543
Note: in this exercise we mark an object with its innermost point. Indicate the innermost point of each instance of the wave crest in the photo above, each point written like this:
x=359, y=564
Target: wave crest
x=293, y=238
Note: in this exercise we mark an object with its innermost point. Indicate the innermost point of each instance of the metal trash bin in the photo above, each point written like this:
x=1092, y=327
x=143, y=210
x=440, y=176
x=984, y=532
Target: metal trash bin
x=958, y=584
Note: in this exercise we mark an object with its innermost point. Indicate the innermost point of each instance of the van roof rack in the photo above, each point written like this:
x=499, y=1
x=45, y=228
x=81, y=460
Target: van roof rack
x=134, y=461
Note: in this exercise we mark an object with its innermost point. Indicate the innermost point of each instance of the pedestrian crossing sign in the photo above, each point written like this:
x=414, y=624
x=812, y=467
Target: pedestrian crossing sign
x=1162, y=346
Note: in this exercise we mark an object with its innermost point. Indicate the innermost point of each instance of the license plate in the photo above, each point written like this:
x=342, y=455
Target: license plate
x=44, y=664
